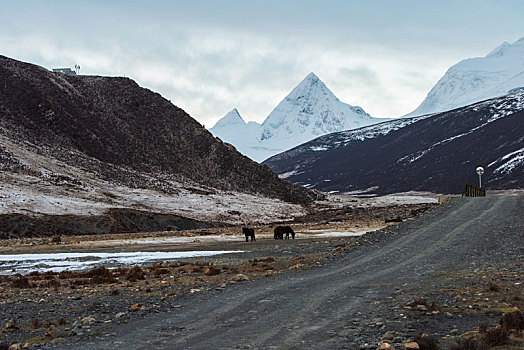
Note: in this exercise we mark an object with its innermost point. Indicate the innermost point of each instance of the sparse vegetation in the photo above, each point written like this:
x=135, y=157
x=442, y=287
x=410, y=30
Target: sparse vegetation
x=426, y=342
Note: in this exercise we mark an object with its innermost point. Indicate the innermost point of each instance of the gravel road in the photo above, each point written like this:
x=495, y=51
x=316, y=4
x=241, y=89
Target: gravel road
x=350, y=301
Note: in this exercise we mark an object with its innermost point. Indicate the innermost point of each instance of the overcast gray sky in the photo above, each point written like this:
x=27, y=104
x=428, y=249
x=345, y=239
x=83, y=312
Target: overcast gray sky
x=209, y=57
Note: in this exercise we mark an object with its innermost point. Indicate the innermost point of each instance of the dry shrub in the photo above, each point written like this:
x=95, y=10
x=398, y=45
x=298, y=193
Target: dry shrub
x=35, y=323
x=418, y=301
x=197, y=269
x=494, y=287
x=49, y=284
x=512, y=320
x=21, y=282
x=212, y=271
x=269, y=259
x=426, y=342
x=100, y=275
x=466, y=344
x=114, y=292
x=180, y=264
x=492, y=337
x=159, y=271
x=135, y=273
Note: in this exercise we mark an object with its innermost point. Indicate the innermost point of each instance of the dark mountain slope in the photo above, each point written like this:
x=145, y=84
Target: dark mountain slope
x=437, y=153
x=101, y=122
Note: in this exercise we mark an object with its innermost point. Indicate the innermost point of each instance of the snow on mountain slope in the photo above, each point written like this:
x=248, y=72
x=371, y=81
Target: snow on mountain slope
x=476, y=79
x=310, y=110
x=234, y=130
x=435, y=153
x=333, y=141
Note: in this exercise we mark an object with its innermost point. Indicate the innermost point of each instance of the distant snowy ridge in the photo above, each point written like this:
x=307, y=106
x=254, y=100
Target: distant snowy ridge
x=477, y=79
x=497, y=110
x=310, y=110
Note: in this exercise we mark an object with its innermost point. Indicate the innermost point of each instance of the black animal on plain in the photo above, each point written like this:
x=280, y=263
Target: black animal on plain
x=249, y=232
x=279, y=231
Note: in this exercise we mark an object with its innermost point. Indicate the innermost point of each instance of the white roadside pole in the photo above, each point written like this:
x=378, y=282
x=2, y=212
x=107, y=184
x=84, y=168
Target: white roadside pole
x=480, y=171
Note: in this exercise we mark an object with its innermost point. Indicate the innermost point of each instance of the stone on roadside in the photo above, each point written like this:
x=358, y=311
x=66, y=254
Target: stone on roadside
x=88, y=321
x=385, y=346
x=137, y=306
x=53, y=332
x=410, y=346
x=120, y=314
x=11, y=324
x=15, y=347
x=239, y=278
x=389, y=336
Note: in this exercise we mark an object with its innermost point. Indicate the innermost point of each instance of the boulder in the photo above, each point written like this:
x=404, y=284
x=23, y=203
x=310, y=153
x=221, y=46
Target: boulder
x=410, y=346
x=385, y=346
x=240, y=277
x=87, y=321
x=11, y=324
x=53, y=332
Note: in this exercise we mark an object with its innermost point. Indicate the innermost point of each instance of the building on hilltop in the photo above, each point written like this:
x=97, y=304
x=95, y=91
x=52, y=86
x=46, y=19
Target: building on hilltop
x=68, y=71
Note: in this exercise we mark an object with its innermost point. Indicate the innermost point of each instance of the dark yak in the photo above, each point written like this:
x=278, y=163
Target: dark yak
x=279, y=232
x=249, y=232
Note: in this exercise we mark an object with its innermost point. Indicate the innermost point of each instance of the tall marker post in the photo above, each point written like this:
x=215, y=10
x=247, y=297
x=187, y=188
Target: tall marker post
x=480, y=171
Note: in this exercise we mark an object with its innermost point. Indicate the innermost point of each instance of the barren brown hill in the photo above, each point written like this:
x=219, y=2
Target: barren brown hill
x=98, y=123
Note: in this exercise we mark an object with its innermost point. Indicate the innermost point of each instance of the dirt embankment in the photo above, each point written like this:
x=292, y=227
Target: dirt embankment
x=113, y=221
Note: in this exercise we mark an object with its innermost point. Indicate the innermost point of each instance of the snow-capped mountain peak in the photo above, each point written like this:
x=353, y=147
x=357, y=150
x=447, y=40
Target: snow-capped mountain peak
x=476, y=79
x=231, y=118
x=308, y=111
x=311, y=110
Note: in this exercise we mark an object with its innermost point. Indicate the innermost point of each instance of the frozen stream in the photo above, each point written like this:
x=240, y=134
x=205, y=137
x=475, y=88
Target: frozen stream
x=25, y=263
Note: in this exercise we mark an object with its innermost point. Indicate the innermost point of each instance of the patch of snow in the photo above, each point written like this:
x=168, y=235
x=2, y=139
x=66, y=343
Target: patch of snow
x=288, y=174
x=319, y=148
x=343, y=234
x=26, y=263
x=511, y=161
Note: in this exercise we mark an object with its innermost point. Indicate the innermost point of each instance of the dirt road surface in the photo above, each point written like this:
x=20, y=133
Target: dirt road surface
x=357, y=296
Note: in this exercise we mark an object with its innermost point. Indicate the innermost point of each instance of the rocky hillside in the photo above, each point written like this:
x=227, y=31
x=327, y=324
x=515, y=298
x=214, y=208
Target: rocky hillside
x=435, y=153
x=101, y=122
x=86, y=154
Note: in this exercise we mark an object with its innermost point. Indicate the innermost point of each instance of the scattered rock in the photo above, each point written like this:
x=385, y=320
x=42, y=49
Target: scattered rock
x=422, y=308
x=11, y=324
x=15, y=347
x=410, y=346
x=52, y=332
x=389, y=336
x=239, y=278
x=87, y=321
x=385, y=346
x=137, y=306
x=120, y=314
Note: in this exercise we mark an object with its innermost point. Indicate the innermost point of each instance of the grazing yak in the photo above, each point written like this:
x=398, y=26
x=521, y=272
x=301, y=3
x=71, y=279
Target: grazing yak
x=249, y=232
x=279, y=231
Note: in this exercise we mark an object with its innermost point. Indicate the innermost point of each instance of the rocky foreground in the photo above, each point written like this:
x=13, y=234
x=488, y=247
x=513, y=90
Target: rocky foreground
x=444, y=274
